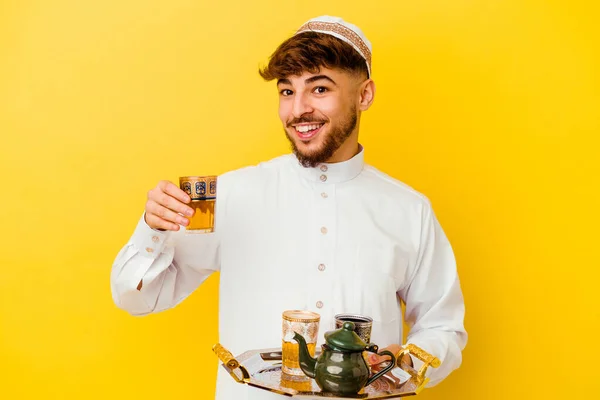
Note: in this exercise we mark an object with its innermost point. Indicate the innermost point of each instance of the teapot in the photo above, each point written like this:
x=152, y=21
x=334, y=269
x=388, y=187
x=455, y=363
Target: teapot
x=341, y=368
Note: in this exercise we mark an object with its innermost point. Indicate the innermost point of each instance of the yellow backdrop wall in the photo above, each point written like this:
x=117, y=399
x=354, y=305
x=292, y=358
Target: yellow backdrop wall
x=490, y=108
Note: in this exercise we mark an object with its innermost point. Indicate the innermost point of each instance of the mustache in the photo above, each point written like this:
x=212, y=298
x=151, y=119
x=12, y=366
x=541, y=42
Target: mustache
x=305, y=120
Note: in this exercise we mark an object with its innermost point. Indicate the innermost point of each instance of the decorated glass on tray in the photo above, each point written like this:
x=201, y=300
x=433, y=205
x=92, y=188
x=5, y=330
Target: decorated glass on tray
x=304, y=323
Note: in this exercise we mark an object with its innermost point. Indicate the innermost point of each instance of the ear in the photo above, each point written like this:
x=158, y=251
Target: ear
x=367, y=94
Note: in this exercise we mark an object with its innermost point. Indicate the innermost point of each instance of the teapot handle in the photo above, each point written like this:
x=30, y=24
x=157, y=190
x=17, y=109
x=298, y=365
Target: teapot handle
x=386, y=369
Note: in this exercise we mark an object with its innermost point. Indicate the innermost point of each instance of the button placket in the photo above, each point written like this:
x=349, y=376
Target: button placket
x=325, y=229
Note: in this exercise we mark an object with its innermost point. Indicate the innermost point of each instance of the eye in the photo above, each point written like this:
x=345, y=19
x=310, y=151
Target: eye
x=286, y=92
x=320, y=89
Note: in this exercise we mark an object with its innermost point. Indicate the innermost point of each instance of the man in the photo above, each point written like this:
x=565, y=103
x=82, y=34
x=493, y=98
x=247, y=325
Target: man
x=317, y=229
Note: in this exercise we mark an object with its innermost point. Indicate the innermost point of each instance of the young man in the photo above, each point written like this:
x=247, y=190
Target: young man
x=317, y=229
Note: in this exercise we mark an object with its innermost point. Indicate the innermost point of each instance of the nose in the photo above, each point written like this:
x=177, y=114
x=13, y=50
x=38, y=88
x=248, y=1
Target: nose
x=301, y=105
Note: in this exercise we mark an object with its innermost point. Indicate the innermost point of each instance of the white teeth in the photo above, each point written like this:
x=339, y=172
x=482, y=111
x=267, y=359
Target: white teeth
x=306, y=128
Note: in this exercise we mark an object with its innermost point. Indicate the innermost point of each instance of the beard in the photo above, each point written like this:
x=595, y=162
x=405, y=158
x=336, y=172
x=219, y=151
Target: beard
x=331, y=143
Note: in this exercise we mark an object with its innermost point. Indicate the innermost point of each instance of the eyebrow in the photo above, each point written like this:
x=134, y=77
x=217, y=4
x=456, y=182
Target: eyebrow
x=285, y=81
x=318, y=78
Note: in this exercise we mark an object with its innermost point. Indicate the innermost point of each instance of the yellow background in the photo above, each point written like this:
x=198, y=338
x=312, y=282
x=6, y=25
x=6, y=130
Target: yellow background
x=490, y=108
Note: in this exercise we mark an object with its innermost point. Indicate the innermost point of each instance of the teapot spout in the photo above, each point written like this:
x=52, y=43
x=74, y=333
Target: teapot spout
x=307, y=363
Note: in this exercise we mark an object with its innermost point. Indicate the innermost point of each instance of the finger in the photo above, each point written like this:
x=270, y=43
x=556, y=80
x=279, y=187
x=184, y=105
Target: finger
x=174, y=204
x=170, y=202
x=165, y=214
x=156, y=222
x=173, y=191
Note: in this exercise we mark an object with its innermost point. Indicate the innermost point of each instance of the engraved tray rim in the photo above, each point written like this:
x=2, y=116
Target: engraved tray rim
x=413, y=388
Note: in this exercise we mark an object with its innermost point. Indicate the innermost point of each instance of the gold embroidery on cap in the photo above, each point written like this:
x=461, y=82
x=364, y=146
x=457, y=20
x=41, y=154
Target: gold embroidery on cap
x=347, y=33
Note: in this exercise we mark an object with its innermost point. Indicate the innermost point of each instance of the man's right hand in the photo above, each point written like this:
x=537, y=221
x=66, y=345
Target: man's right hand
x=165, y=204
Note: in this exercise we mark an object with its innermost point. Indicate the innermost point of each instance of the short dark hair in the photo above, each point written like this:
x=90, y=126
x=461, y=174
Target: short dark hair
x=309, y=52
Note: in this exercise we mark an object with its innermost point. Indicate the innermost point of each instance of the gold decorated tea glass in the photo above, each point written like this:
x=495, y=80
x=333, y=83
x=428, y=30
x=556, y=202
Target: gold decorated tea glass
x=362, y=324
x=203, y=192
x=306, y=324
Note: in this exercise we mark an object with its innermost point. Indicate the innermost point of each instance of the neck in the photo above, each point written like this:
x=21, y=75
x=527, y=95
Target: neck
x=347, y=150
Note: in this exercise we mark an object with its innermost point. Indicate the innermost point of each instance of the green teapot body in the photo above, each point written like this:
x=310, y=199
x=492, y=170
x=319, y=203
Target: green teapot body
x=341, y=372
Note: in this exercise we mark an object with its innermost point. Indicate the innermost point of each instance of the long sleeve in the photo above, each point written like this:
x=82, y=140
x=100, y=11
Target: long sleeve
x=434, y=302
x=170, y=265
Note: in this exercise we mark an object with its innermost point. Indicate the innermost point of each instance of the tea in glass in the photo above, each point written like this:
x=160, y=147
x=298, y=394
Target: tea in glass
x=203, y=192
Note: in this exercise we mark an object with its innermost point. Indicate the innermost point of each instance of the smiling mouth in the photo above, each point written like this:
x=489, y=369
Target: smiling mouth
x=306, y=132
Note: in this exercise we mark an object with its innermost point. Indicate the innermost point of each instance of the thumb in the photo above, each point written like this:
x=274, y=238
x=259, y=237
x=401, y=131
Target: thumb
x=376, y=358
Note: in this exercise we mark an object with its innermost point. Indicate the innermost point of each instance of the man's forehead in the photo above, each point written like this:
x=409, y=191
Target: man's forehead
x=332, y=75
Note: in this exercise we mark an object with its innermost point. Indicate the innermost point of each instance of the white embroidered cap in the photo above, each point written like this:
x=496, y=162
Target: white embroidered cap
x=342, y=30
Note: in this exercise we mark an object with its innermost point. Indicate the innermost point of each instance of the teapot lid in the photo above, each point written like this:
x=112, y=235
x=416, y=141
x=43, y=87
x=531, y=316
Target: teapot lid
x=345, y=338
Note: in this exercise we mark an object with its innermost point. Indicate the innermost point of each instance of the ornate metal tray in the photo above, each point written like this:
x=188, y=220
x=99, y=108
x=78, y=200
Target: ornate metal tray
x=256, y=368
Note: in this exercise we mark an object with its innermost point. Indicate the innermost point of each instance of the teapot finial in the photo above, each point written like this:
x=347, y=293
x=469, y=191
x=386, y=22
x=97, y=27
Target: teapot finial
x=349, y=326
